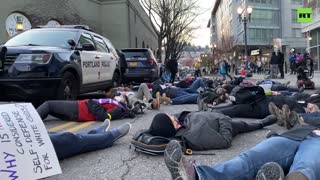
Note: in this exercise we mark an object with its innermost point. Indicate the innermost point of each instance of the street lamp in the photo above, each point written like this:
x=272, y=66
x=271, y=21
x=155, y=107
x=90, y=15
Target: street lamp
x=245, y=17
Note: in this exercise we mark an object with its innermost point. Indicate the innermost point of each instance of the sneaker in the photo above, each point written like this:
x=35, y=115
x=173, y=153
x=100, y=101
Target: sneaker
x=274, y=110
x=179, y=168
x=269, y=120
x=292, y=120
x=285, y=115
x=106, y=124
x=270, y=171
x=296, y=176
x=121, y=131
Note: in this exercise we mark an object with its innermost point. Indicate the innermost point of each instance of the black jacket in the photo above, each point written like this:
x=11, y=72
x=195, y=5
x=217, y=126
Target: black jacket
x=280, y=58
x=299, y=133
x=274, y=59
x=205, y=130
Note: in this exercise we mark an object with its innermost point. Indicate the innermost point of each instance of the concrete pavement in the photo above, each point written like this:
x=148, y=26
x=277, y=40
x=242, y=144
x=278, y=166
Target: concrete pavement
x=120, y=162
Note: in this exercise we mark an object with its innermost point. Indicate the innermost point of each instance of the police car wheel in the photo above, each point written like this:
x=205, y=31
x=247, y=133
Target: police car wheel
x=68, y=88
x=116, y=80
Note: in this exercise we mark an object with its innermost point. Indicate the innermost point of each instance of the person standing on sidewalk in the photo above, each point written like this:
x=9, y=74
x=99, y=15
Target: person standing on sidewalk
x=273, y=65
x=172, y=65
x=280, y=58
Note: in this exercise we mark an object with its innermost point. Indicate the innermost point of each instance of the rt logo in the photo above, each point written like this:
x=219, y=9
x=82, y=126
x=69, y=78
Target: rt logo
x=304, y=15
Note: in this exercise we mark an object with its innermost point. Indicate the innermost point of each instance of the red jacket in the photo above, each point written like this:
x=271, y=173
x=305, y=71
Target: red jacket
x=85, y=115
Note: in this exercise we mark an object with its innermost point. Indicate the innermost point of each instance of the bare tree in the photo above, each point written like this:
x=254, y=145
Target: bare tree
x=171, y=21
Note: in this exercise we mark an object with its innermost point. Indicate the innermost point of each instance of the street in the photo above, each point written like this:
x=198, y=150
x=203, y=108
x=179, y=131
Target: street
x=121, y=162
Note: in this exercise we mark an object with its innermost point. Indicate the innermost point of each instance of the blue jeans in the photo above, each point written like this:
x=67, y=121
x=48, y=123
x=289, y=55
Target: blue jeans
x=196, y=84
x=223, y=77
x=291, y=155
x=67, y=144
x=311, y=118
x=190, y=98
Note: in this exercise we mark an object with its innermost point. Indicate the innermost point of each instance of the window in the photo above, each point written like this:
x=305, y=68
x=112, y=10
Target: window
x=85, y=39
x=294, y=15
x=136, y=42
x=297, y=2
x=296, y=32
x=265, y=17
x=101, y=46
x=43, y=38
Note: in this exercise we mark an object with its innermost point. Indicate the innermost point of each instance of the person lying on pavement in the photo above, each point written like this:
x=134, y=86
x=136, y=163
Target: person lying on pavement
x=204, y=130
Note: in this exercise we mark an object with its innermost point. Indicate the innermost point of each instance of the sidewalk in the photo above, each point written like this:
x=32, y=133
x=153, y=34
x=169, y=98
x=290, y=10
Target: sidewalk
x=291, y=78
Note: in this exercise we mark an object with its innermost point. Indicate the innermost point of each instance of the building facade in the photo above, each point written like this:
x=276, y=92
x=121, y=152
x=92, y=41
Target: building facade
x=312, y=31
x=271, y=21
x=124, y=22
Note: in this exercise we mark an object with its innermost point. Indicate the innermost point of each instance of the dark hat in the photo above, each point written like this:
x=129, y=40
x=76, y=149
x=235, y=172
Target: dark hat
x=162, y=126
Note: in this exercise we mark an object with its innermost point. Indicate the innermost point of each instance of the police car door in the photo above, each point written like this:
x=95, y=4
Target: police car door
x=90, y=61
x=104, y=55
x=113, y=58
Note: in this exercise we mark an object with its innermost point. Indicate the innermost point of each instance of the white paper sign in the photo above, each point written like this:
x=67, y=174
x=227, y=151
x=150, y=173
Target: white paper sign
x=26, y=151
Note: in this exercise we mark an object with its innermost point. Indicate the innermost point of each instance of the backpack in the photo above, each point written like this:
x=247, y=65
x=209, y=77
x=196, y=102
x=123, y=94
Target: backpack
x=146, y=143
x=247, y=94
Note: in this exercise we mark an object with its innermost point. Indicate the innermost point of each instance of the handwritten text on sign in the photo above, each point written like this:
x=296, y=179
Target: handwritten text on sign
x=26, y=151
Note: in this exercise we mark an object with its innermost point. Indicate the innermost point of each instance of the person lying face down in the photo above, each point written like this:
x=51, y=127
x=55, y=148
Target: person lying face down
x=220, y=129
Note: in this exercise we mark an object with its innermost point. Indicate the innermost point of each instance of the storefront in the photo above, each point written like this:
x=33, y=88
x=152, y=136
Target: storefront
x=315, y=47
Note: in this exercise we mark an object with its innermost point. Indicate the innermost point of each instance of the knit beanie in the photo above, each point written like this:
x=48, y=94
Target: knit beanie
x=162, y=126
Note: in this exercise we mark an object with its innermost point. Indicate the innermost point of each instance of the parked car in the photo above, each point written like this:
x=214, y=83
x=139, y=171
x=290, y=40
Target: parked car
x=57, y=63
x=142, y=66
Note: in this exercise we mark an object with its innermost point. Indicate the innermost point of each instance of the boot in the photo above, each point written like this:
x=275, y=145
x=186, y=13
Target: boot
x=269, y=120
x=274, y=110
x=165, y=99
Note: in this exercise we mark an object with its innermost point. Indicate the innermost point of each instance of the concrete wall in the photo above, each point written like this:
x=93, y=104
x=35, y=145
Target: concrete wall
x=114, y=23
x=118, y=20
x=140, y=27
x=39, y=12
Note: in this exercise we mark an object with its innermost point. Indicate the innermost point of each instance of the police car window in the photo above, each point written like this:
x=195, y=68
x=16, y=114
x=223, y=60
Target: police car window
x=85, y=39
x=55, y=38
x=100, y=45
x=110, y=47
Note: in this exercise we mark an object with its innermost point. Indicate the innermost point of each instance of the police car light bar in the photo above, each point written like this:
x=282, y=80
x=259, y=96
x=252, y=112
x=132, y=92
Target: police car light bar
x=84, y=27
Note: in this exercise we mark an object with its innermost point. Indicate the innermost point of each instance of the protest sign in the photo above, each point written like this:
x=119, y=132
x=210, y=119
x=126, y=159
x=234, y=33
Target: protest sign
x=26, y=151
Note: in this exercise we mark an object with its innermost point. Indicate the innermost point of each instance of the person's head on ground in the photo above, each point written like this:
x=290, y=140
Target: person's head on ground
x=164, y=125
x=227, y=87
x=313, y=107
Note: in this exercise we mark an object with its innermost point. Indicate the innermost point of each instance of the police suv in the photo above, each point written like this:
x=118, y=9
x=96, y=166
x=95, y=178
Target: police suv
x=57, y=63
